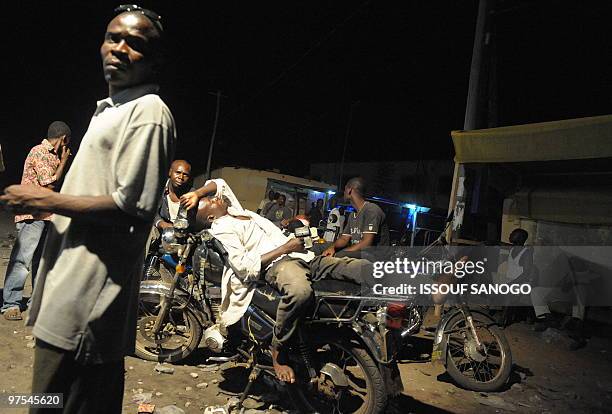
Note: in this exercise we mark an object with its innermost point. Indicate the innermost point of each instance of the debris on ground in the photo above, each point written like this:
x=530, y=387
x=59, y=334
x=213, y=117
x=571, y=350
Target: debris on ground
x=163, y=369
x=202, y=385
x=194, y=375
x=146, y=408
x=494, y=401
x=142, y=398
x=208, y=368
x=216, y=410
x=170, y=409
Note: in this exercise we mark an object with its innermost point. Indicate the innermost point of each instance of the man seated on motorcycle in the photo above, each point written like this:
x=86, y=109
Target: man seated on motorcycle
x=366, y=226
x=258, y=250
x=179, y=183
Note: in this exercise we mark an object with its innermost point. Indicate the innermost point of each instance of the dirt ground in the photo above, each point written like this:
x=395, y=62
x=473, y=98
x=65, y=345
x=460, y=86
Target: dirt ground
x=547, y=378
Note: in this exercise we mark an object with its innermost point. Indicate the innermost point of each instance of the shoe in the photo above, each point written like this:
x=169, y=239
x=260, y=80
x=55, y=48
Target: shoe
x=544, y=322
x=12, y=314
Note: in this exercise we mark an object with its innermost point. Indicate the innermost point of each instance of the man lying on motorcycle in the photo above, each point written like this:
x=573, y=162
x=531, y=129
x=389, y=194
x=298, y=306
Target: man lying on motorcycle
x=258, y=250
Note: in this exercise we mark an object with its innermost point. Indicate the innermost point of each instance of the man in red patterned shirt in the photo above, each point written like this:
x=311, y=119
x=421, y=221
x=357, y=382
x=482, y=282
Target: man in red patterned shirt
x=43, y=167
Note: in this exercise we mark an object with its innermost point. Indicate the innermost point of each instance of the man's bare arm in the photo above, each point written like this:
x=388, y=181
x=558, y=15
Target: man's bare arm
x=59, y=172
x=190, y=200
x=98, y=209
x=339, y=244
x=367, y=240
x=293, y=245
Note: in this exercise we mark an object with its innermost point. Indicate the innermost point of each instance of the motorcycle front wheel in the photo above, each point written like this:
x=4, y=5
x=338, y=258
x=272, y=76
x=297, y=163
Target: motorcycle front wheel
x=179, y=336
x=364, y=392
x=483, y=369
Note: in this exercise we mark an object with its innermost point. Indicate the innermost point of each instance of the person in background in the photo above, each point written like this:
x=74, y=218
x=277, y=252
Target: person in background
x=315, y=215
x=179, y=183
x=265, y=203
x=279, y=213
x=365, y=227
x=44, y=167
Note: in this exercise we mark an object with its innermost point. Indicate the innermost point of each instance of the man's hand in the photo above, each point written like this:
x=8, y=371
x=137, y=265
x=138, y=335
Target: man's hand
x=285, y=222
x=294, y=245
x=190, y=200
x=64, y=153
x=26, y=199
x=330, y=251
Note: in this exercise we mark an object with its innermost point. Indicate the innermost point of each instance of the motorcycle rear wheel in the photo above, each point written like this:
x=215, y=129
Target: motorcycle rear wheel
x=182, y=331
x=373, y=396
x=477, y=371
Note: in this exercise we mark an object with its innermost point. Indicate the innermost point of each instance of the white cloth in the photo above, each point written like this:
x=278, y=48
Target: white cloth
x=335, y=224
x=514, y=267
x=173, y=207
x=245, y=241
x=224, y=190
x=86, y=291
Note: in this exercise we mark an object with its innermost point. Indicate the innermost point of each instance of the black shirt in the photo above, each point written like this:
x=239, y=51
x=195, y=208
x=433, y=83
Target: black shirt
x=370, y=219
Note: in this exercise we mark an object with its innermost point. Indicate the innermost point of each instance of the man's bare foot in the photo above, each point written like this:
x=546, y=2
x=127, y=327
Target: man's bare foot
x=283, y=372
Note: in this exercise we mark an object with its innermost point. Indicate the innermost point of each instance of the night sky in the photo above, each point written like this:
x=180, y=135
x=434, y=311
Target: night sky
x=291, y=71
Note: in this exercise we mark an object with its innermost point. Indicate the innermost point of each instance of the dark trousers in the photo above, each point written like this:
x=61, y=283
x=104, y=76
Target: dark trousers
x=87, y=389
x=291, y=277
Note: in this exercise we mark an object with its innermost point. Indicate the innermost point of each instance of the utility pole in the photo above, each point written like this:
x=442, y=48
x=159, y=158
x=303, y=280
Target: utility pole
x=214, y=133
x=346, y=135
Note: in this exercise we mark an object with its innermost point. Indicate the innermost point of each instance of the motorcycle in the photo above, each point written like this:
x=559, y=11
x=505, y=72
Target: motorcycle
x=468, y=342
x=343, y=353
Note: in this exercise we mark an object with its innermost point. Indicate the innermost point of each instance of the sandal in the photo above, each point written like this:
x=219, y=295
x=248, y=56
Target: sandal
x=13, y=314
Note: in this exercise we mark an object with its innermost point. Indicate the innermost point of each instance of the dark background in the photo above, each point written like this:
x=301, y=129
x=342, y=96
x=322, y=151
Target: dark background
x=291, y=71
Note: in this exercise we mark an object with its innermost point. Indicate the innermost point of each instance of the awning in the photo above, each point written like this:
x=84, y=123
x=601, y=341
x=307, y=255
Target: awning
x=572, y=139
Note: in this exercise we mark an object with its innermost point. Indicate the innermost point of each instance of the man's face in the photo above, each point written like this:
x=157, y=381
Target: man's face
x=210, y=209
x=127, y=55
x=319, y=203
x=180, y=175
x=281, y=200
x=271, y=195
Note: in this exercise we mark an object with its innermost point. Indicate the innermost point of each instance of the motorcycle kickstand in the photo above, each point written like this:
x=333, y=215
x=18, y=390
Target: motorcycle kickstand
x=255, y=372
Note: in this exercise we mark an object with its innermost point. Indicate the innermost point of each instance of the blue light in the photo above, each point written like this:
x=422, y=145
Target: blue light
x=330, y=192
x=410, y=206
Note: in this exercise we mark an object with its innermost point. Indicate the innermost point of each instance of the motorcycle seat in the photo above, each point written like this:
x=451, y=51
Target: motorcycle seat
x=267, y=298
x=336, y=287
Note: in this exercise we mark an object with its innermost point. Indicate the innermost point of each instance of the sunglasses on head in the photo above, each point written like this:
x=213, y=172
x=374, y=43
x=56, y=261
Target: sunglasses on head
x=149, y=14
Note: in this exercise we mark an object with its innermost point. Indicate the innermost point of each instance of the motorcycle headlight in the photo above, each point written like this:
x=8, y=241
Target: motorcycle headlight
x=170, y=242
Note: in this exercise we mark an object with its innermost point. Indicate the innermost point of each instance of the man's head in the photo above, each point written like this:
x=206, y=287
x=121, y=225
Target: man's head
x=320, y=203
x=281, y=200
x=355, y=189
x=518, y=237
x=180, y=175
x=210, y=209
x=271, y=195
x=58, y=133
x=131, y=51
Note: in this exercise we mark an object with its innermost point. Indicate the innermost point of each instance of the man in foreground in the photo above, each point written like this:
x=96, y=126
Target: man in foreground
x=44, y=167
x=257, y=249
x=85, y=300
